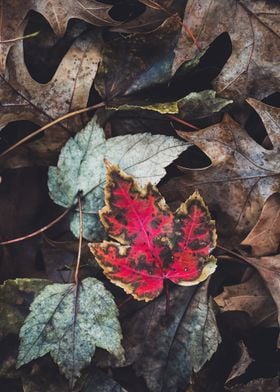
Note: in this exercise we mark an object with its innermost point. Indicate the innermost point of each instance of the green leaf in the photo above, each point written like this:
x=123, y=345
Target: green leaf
x=69, y=322
x=15, y=298
x=81, y=167
x=194, y=105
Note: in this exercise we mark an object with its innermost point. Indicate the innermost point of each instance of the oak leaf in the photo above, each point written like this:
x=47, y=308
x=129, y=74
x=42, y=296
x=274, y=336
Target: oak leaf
x=253, y=67
x=69, y=322
x=153, y=244
x=241, y=177
x=81, y=168
x=57, y=13
x=23, y=98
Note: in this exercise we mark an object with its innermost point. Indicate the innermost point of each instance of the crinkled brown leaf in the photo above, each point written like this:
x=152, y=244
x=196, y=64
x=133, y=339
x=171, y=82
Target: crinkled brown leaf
x=252, y=297
x=23, y=98
x=254, y=65
x=264, y=238
x=57, y=13
x=242, y=174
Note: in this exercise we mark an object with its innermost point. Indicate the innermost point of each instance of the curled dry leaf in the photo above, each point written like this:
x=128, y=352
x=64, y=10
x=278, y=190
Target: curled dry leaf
x=57, y=13
x=254, y=66
x=69, y=322
x=241, y=177
x=81, y=168
x=153, y=244
x=264, y=238
x=241, y=366
x=23, y=98
x=252, y=297
x=258, y=385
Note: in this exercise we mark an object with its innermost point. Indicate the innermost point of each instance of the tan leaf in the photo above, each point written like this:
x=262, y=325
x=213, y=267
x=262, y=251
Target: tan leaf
x=241, y=177
x=254, y=65
x=251, y=297
x=264, y=238
x=23, y=98
x=269, y=269
x=57, y=13
x=242, y=364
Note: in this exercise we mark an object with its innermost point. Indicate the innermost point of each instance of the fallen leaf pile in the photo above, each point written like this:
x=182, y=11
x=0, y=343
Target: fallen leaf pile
x=139, y=195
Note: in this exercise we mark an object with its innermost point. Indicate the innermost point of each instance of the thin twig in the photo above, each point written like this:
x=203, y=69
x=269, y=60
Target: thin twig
x=6, y=41
x=231, y=252
x=35, y=133
x=80, y=240
x=37, y=232
x=174, y=118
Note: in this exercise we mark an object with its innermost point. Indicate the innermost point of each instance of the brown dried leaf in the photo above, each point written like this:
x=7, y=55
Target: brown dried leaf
x=57, y=13
x=269, y=269
x=251, y=297
x=254, y=65
x=258, y=385
x=244, y=361
x=242, y=176
x=264, y=238
x=23, y=98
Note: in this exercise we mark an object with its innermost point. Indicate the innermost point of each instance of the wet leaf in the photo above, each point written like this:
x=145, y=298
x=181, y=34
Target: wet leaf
x=68, y=90
x=69, y=322
x=242, y=174
x=81, y=168
x=253, y=67
x=252, y=297
x=153, y=244
x=165, y=351
x=57, y=13
x=15, y=298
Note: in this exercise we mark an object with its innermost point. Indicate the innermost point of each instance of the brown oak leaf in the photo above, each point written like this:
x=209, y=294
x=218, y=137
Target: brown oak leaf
x=241, y=177
x=253, y=27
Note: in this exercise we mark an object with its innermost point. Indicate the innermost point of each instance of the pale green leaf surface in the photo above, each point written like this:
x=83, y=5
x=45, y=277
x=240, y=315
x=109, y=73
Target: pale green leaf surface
x=81, y=166
x=69, y=323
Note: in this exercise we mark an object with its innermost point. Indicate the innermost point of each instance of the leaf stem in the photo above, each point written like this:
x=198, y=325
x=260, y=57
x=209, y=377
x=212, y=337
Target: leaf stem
x=6, y=41
x=231, y=252
x=59, y=119
x=80, y=240
x=167, y=299
x=174, y=118
x=37, y=232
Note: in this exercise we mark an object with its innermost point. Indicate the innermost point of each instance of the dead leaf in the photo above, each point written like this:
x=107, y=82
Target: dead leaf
x=254, y=65
x=23, y=98
x=242, y=174
x=240, y=367
x=165, y=351
x=57, y=13
x=251, y=297
x=269, y=269
x=264, y=238
x=258, y=385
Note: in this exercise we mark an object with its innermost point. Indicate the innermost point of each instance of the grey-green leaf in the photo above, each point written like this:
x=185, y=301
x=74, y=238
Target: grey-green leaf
x=69, y=322
x=81, y=166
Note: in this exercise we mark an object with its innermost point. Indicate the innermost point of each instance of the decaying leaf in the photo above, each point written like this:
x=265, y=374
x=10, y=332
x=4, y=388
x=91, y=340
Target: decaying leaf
x=57, y=13
x=252, y=297
x=264, y=238
x=254, y=65
x=15, y=298
x=269, y=269
x=241, y=366
x=258, y=385
x=242, y=174
x=81, y=168
x=23, y=98
x=153, y=244
x=69, y=321
x=166, y=351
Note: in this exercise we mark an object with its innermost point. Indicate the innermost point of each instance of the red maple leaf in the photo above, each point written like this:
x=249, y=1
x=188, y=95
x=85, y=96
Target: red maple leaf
x=153, y=243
